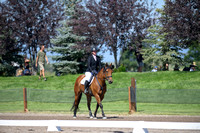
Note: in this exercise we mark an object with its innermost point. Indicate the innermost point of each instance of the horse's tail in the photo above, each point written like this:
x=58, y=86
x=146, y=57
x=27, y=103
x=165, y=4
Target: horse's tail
x=79, y=99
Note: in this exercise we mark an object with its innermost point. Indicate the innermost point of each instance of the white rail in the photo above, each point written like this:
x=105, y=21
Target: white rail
x=53, y=125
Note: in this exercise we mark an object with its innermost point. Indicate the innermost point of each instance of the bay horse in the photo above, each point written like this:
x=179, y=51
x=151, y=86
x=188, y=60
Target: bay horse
x=96, y=89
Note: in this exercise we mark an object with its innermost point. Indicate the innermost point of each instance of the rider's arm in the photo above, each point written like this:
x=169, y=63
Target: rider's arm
x=89, y=63
x=99, y=65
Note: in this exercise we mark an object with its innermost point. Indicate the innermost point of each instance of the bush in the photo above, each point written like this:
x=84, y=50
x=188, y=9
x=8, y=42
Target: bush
x=122, y=68
x=7, y=70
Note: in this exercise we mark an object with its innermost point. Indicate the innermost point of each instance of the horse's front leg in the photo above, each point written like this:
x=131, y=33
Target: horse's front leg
x=88, y=104
x=100, y=105
x=95, y=113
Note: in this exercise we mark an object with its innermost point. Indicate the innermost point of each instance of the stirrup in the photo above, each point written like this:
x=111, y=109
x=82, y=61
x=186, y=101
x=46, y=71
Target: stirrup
x=86, y=91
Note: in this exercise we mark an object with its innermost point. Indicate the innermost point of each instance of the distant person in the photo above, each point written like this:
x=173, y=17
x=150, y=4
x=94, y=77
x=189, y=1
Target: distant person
x=192, y=67
x=186, y=69
x=139, y=58
x=155, y=69
x=19, y=71
x=166, y=67
x=41, y=56
x=26, y=67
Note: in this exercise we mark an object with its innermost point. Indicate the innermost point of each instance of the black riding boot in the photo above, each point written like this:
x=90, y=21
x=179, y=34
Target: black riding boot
x=86, y=86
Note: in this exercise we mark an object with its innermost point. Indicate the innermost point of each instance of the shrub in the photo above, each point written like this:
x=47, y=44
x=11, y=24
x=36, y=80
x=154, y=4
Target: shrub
x=122, y=68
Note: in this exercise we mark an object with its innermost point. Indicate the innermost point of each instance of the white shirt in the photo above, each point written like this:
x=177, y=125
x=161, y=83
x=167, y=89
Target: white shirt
x=154, y=70
x=95, y=58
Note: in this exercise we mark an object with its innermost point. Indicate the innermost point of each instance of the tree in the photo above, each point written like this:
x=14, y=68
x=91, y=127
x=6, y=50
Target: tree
x=32, y=22
x=111, y=23
x=193, y=54
x=159, y=51
x=183, y=21
x=128, y=60
x=9, y=49
x=68, y=57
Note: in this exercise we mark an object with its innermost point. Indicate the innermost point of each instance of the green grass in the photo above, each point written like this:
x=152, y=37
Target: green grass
x=158, y=93
x=148, y=80
x=119, y=107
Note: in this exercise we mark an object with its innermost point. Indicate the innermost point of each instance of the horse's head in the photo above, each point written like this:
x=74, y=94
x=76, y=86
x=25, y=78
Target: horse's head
x=107, y=70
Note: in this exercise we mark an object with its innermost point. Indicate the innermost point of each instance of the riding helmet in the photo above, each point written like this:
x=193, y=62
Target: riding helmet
x=94, y=49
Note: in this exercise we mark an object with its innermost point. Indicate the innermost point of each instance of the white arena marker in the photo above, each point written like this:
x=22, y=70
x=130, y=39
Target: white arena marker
x=140, y=130
x=138, y=127
x=52, y=126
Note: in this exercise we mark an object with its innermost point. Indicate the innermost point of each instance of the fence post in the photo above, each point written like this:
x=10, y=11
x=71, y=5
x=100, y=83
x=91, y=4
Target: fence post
x=25, y=99
x=132, y=96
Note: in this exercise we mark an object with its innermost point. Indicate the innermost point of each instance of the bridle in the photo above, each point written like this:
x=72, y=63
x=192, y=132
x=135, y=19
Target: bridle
x=107, y=77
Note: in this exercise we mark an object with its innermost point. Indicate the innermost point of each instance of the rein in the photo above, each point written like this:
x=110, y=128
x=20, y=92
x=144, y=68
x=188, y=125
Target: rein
x=107, y=77
x=101, y=87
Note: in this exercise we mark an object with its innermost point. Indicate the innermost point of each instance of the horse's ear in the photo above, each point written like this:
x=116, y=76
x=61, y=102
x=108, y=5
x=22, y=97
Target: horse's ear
x=111, y=66
x=104, y=69
x=106, y=64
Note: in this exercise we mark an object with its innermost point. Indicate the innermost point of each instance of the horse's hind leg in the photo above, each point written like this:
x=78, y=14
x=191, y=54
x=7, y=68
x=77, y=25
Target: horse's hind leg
x=88, y=104
x=76, y=103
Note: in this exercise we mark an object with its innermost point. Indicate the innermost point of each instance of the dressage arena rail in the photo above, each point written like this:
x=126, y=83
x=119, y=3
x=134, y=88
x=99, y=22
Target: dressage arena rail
x=166, y=96
x=138, y=126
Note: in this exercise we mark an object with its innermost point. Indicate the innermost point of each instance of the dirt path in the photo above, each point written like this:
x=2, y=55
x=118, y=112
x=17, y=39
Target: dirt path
x=33, y=116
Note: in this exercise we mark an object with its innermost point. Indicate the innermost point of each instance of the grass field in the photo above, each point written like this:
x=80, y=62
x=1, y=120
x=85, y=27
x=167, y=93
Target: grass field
x=171, y=82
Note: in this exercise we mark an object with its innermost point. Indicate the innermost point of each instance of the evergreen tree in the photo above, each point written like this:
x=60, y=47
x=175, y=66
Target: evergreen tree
x=68, y=57
x=159, y=51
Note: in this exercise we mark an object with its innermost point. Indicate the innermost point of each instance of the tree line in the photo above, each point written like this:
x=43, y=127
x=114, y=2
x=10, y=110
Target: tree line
x=68, y=28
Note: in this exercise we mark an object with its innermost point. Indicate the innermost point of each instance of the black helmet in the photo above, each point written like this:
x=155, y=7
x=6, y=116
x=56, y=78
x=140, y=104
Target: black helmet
x=94, y=49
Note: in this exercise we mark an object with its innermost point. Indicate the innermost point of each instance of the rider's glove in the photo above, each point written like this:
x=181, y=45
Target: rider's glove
x=94, y=72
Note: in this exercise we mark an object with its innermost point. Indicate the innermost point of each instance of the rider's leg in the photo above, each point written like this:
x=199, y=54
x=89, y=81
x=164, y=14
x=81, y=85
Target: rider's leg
x=86, y=86
x=87, y=81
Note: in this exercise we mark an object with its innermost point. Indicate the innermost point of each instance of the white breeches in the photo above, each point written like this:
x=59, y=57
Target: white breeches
x=88, y=76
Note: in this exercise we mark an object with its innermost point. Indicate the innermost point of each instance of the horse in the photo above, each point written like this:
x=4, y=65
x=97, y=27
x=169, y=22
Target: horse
x=96, y=89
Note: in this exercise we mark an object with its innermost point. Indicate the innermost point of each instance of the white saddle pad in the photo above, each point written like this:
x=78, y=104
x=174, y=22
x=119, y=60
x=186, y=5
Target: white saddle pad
x=84, y=79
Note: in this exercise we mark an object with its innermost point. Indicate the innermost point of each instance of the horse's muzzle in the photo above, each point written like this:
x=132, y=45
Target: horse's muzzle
x=110, y=81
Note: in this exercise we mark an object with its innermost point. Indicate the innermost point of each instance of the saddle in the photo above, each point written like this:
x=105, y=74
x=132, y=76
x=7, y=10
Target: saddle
x=84, y=79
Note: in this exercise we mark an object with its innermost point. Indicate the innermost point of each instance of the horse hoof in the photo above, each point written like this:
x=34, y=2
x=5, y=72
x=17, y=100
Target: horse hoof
x=91, y=117
x=104, y=118
x=95, y=118
x=74, y=117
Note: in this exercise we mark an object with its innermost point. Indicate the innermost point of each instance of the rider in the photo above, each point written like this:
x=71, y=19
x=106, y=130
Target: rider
x=93, y=67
